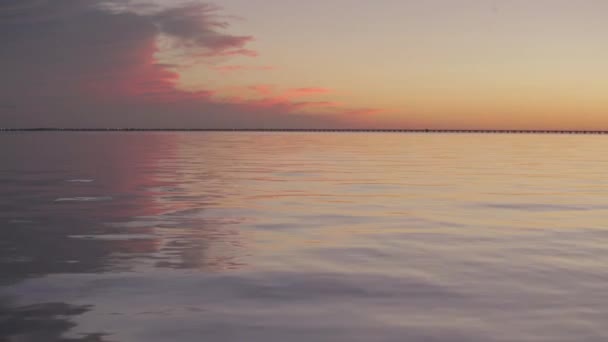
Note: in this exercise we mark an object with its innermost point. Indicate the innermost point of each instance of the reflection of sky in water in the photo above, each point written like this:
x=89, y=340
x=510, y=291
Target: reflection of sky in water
x=341, y=237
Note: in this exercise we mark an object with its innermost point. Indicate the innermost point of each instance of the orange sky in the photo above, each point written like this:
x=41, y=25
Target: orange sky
x=277, y=63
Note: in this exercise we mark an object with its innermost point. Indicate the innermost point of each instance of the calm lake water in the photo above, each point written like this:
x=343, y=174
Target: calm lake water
x=303, y=237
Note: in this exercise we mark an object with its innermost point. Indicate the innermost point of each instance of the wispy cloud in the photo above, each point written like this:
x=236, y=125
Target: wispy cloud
x=229, y=53
x=235, y=68
x=262, y=89
x=298, y=92
x=296, y=100
x=198, y=27
x=365, y=111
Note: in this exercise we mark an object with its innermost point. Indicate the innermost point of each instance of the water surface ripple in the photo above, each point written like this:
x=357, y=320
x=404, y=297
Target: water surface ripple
x=303, y=237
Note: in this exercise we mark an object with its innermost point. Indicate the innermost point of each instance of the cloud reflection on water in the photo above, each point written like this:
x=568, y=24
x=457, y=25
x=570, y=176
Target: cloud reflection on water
x=341, y=237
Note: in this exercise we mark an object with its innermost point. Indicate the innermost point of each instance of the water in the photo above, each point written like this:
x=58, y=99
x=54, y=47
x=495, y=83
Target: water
x=303, y=237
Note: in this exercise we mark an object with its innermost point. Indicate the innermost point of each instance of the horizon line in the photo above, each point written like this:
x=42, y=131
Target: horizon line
x=312, y=130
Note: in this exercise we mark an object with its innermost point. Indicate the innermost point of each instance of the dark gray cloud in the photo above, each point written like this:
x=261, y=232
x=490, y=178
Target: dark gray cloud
x=193, y=25
x=91, y=63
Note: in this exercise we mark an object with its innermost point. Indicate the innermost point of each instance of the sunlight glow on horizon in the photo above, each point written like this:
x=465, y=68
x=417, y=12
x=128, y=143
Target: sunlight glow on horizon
x=406, y=64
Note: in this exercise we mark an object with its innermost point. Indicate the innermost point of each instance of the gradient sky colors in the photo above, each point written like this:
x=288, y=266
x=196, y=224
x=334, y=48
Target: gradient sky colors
x=291, y=64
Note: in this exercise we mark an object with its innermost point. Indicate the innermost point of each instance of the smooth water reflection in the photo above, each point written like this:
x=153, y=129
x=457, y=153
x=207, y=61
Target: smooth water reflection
x=303, y=236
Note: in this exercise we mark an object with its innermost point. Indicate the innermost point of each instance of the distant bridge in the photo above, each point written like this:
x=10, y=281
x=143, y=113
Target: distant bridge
x=320, y=130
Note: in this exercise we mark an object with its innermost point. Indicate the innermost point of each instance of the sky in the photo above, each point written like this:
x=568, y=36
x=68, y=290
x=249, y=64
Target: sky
x=441, y=64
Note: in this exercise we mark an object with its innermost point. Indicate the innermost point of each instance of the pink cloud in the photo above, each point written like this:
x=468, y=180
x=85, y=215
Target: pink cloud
x=151, y=81
x=196, y=28
x=142, y=78
x=292, y=101
x=262, y=89
x=312, y=90
x=228, y=53
x=298, y=92
x=271, y=97
x=365, y=111
x=316, y=104
x=109, y=72
x=233, y=68
x=243, y=52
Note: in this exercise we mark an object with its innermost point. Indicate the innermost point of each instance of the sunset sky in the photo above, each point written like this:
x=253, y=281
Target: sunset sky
x=304, y=64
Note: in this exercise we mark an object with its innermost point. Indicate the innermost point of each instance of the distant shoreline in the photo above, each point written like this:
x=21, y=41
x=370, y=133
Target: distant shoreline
x=310, y=130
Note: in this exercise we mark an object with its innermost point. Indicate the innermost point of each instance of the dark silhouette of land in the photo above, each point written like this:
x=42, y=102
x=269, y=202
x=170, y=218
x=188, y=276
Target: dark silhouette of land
x=338, y=130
